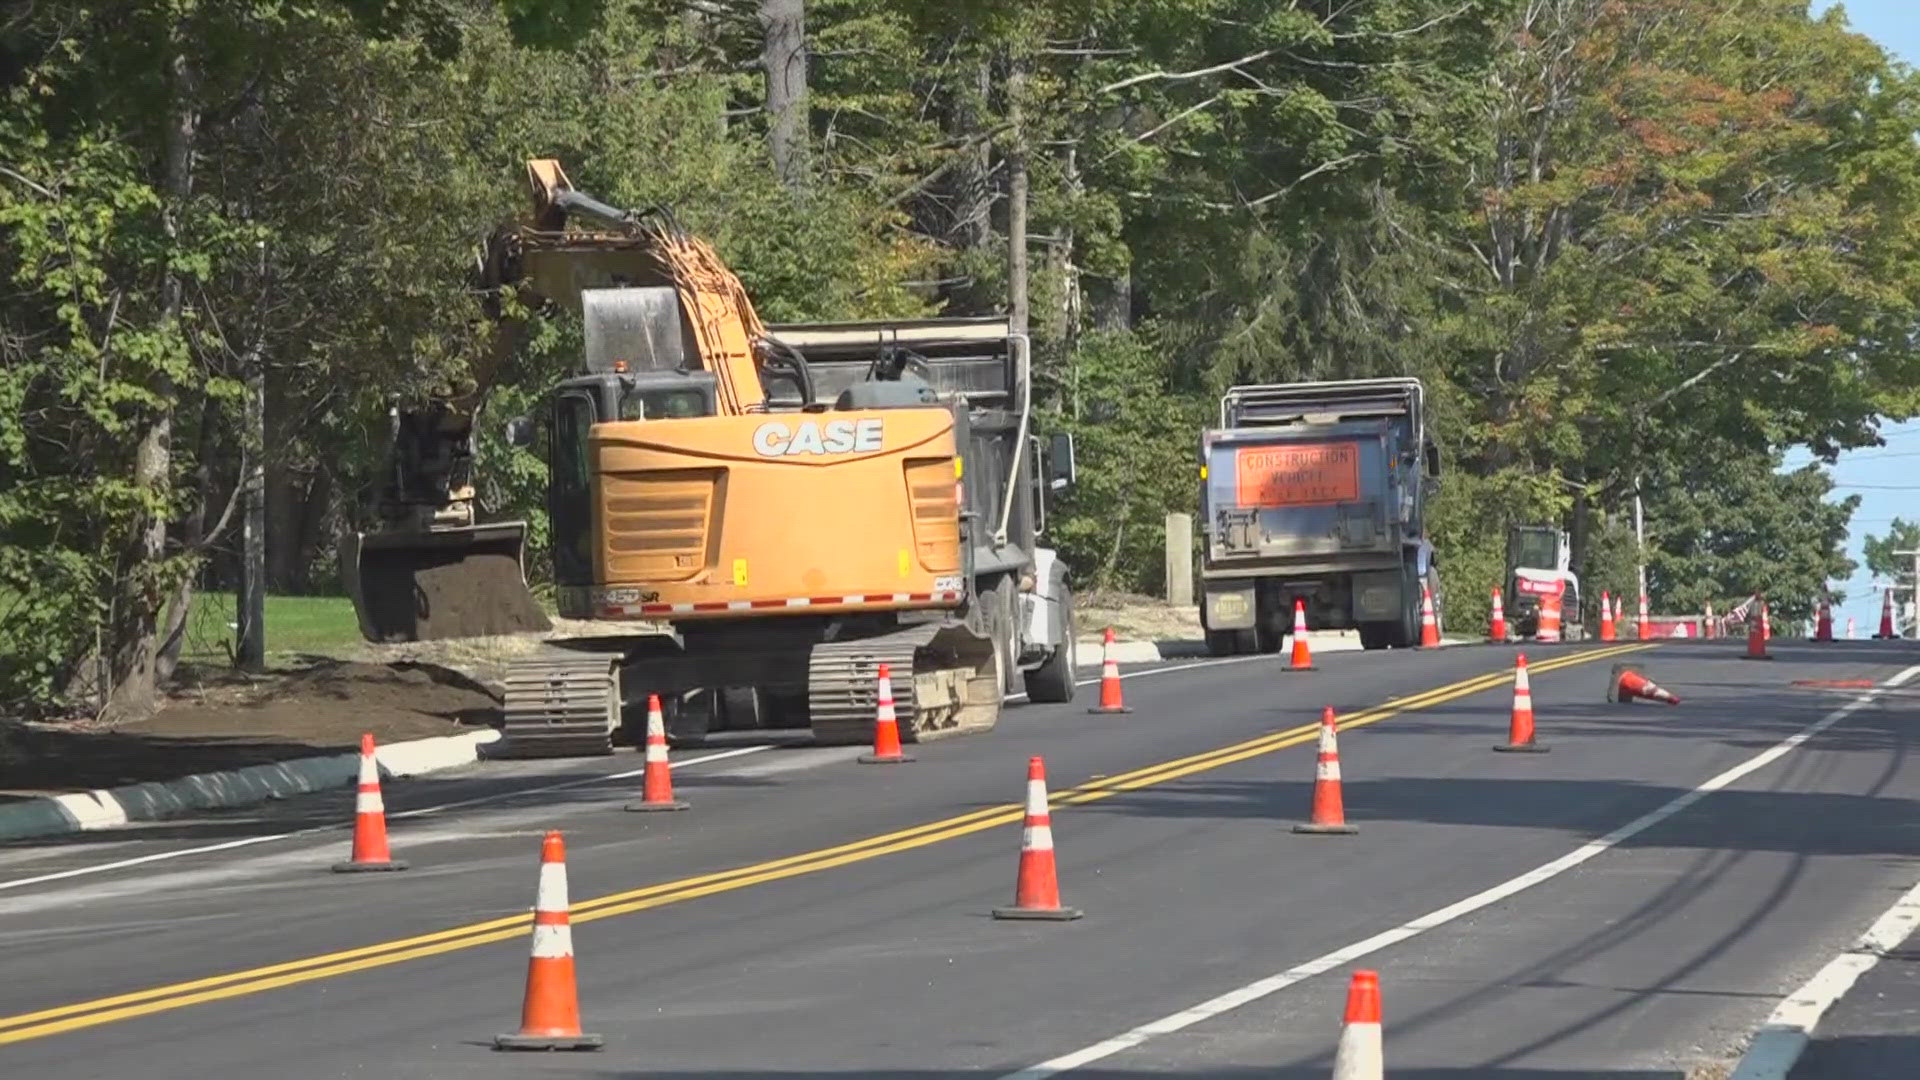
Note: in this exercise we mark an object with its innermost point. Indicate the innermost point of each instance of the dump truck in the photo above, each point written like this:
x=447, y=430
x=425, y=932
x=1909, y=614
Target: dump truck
x=1316, y=492
x=762, y=516
x=1539, y=565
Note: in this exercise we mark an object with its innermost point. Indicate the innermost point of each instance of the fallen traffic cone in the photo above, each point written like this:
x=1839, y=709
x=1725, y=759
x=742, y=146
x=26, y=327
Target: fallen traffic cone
x=657, y=787
x=1429, y=626
x=1110, y=700
x=1628, y=686
x=1823, y=626
x=1361, y=1055
x=1520, y=728
x=1757, y=634
x=1606, y=618
x=1302, y=659
x=1036, y=893
x=550, y=1010
x=369, y=820
x=1497, y=622
x=1886, y=616
x=1643, y=627
x=1329, y=811
x=886, y=727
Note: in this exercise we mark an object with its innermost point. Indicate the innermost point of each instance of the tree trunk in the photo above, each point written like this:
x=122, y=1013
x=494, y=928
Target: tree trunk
x=783, y=57
x=1016, y=155
x=135, y=660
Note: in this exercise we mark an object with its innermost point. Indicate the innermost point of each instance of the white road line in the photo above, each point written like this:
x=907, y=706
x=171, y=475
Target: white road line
x=1273, y=984
x=250, y=841
x=1783, y=1038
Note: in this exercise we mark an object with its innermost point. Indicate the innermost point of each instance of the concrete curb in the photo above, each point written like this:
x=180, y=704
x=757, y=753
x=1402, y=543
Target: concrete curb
x=1154, y=652
x=106, y=808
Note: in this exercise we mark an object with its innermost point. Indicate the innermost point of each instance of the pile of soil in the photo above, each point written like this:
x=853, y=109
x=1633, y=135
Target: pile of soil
x=1136, y=618
x=222, y=719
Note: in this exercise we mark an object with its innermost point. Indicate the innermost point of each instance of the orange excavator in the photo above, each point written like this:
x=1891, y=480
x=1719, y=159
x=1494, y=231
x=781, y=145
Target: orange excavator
x=761, y=515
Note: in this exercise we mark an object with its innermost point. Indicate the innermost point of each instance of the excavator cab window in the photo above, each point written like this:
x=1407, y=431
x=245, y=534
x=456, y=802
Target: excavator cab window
x=570, y=486
x=669, y=396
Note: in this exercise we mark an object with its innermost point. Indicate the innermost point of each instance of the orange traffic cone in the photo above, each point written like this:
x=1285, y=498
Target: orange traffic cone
x=1707, y=627
x=1497, y=622
x=1548, y=627
x=1520, y=728
x=1429, y=627
x=1036, y=893
x=1619, y=609
x=657, y=787
x=1329, y=811
x=1360, y=1055
x=1606, y=619
x=1110, y=701
x=550, y=1011
x=1823, y=627
x=1886, y=616
x=1757, y=634
x=886, y=727
x=1643, y=627
x=1302, y=659
x=369, y=820
x=1629, y=686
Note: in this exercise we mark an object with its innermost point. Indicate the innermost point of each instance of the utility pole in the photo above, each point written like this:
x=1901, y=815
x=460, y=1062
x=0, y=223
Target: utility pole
x=250, y=600
x=1640, y=539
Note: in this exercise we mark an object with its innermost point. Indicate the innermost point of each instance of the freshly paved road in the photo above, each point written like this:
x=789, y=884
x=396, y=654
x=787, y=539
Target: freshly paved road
x=880, y=960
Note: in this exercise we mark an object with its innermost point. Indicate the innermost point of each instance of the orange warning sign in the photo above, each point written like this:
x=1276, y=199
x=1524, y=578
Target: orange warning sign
x=1297, y=474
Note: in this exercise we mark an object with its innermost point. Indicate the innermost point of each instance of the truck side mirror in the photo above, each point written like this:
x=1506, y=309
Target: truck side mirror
x=1060, y=465
x=520, y=432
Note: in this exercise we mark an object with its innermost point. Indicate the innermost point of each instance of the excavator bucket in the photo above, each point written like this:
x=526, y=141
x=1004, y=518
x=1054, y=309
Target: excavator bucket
x=446, y=583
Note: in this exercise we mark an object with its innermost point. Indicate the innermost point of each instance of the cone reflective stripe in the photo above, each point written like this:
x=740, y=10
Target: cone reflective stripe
x=1429, y=626
x=1606, y=618
x=1643, y=625
x=657, y=789
x=550, y=1009
x=886, y=726
x=1302, y=659
x=1360, y=1055
x=1823, y=625
x=1110, y=699
x=1329, y=810
x=1036, y=893
x=1497, y=622
x=370, y=852
x=1520, y=738
x=1757, y=633
x=1630, y=686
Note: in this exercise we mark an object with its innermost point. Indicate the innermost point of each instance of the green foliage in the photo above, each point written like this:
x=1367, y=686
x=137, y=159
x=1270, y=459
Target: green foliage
x=1901, y=535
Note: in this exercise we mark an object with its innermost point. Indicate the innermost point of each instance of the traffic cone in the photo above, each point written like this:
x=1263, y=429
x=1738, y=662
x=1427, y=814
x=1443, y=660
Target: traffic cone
x=550, y=1010
x=1628, y=686
x=1429, y=626
x=1360, y=1055
x=1643, y=628
x=1606, y=618
x=1329, y=811
x=1302, y=659
x=1823, y=625
x=1520, y=728
x=1766, y=622
x=1886, y=616
x=1110, y=700
x=1619, y=607
x=1707, y=628
x=1757, y=634
x=886, y=727
x=1036, y=893
x=657, y=787
x=1497, y=623
x=1552, y=607
x=369, y=820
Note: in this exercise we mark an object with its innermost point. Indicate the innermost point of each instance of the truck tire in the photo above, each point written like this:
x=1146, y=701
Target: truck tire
x=1376, y=635
x=1053, y=681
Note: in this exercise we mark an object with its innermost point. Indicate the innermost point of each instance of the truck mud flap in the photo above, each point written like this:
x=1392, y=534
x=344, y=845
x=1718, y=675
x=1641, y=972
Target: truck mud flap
x=447, y=583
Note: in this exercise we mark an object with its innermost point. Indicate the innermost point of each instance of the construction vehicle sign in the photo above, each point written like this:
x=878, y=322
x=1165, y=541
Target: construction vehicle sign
x=1297, y=474
x=777, y=439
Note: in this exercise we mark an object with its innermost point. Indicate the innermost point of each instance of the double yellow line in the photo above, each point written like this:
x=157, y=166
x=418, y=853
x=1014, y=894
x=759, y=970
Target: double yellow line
x=109, y=1010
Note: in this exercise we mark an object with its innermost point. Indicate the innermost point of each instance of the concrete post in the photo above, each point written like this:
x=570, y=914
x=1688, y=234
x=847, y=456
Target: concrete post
x=1180, y=560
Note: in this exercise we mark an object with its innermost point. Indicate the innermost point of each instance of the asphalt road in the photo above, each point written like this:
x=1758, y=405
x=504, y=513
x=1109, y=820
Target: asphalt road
x=811, y=917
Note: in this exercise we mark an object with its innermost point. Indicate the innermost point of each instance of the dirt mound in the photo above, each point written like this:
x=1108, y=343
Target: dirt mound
x=227, y=720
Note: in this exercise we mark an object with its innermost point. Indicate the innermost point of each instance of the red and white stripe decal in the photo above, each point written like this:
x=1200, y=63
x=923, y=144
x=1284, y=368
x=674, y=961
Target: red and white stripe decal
x=849, y=600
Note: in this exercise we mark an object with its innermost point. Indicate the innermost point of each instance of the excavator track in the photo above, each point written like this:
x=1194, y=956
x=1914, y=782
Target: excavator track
x=562, y=705
x=945, y=682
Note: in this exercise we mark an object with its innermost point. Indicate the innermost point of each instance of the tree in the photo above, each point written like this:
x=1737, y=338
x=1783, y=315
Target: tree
x=1879, y=551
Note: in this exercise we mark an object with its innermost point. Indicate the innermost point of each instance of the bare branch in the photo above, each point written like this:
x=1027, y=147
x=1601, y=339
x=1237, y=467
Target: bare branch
x=42, y=192
x=1184, y=76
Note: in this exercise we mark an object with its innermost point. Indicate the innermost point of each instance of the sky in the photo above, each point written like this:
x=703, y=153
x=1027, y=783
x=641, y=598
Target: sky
x=1876, y=473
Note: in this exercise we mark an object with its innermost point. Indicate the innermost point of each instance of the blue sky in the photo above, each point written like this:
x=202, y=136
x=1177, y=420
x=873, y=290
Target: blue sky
x=1893, y=24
